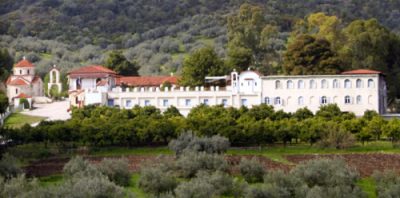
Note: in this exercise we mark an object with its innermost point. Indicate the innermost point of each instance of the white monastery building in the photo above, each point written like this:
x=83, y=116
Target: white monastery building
x=353, y=91
x=23, y=83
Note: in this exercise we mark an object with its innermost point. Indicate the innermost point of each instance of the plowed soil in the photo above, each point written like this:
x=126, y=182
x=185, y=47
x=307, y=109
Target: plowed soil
x=365, y=164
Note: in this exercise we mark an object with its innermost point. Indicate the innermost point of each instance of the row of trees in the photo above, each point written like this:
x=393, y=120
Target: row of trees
x=102, y=126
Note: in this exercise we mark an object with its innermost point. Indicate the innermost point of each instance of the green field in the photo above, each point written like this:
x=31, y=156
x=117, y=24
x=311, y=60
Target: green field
x=17, y=120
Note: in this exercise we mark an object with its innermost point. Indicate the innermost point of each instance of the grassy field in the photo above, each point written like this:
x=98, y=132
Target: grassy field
x=17, y=120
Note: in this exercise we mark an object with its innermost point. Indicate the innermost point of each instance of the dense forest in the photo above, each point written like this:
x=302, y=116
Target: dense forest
x=158, y=36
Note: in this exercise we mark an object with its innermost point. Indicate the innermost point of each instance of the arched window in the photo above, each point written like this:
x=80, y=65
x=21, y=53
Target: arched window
x=278, y=101
x=300, y=84
x=347, y=100
x=267, y=100
x=278, y=84
x=359, y=83
x=324, y=84
x=371, y=83
x=335, y=84
x=289, y=84
x=300, y=100
x=347, y=84
x=359, y=100
x=324, y=100
x=16, y=91
x=313, y=85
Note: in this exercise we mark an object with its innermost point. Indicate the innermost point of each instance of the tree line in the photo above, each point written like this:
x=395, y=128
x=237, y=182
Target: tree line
x=259, y=125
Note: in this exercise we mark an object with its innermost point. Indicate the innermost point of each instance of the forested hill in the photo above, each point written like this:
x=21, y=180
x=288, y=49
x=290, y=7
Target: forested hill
x=158, y=34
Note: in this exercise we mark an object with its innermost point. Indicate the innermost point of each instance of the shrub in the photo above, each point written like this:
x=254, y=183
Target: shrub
x=326, y=172
x=88, y=186
x=286, y=183
x=223, y=183
x=191, y=163
x=387, y=184
x=77, y=166
x=156, y=181
x=117, y=170
x=18, y=186
x=195, y=188
x=9, y=166
x=251, y=170
x=190, y=142
x=336, y=136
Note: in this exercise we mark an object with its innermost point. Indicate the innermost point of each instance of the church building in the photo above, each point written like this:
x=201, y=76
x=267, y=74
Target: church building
x=23, y=83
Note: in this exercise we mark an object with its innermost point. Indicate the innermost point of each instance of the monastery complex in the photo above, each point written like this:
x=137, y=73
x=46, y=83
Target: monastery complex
x=353, y=91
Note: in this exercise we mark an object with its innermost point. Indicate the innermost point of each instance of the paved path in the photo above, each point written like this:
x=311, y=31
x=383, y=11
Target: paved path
x=53, y=111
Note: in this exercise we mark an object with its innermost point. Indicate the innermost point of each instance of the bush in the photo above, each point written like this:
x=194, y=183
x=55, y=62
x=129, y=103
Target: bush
x=77, y=166
x=286, y=184
x=117, y=170
x=156, y=181
x=387, y=184
x=222, y=182
x=196, y=188
x=190, y=163
x=251, y=170
x=88, y=186
x=18, y=187
x=9, y=166
x=190, y=142
x=337, y=137
x=326, y=172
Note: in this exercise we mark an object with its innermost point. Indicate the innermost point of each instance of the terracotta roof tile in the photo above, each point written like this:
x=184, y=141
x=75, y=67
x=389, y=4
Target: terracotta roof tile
x=362, y=71
x=17, y=82
x=22, y=95
x=24, y=63
x=138, y=81
x=92, y=69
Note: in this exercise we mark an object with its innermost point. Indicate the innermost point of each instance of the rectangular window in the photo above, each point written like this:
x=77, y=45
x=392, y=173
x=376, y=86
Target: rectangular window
x=128, y=103
x=205, y=101
x=224, y=102
x=165, y=103
x=147, y=103
x=188, y=102
x=244, y=102
x=110, y=102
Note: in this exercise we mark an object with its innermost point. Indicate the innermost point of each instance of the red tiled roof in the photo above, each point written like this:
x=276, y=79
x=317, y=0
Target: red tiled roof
x=146, y=80
x=92, y=69
x=24, y=63
x=17, y=82
x=22, y=95
x=362, y=71
x=35, y=79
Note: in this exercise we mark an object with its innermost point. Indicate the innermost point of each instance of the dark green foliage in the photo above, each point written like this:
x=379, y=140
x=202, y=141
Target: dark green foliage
x=203, y=62
x=9, y=166
x=308, y=55
x=156, y=181
x=329, y=111
x=3, y=102
x=6, y=63
x=117, y=62
x=25, y=103
x=117, y=170
x=251, y=170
